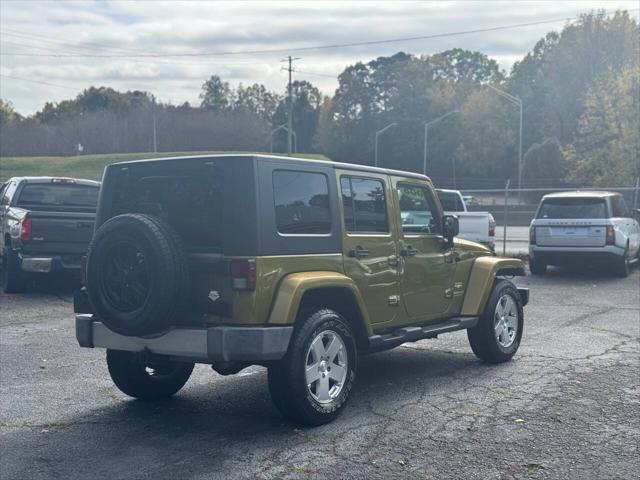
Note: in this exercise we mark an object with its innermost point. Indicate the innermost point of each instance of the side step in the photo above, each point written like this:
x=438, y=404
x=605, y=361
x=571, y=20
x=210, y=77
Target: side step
x=413, y=334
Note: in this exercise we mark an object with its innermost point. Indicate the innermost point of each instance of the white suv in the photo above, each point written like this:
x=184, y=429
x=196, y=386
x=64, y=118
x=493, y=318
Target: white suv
x=584, y=226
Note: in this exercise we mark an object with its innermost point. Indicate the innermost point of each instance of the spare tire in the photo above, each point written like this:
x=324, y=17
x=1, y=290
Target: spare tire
x=137, y=274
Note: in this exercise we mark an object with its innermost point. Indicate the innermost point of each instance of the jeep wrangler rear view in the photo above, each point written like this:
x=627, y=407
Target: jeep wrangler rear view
x=297, y=265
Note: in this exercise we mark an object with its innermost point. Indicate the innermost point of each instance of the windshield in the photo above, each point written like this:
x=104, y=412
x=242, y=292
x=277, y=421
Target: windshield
x=59, y=194
x=573, y=208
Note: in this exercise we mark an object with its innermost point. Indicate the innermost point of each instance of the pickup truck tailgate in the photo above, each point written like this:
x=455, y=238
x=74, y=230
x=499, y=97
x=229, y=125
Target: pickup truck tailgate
x=571, y=233
x=59, y=232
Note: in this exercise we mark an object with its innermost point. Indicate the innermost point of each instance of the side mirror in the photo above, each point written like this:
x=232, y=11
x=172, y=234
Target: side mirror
x=450, y=227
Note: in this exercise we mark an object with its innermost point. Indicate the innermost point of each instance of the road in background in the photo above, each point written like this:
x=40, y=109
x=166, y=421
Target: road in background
x=517, y=240
x=566, y=407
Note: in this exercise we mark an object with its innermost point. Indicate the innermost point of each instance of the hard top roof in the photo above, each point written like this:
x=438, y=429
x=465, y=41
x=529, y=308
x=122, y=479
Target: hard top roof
x=580, y=194
x=43, y=179
x=331, y=163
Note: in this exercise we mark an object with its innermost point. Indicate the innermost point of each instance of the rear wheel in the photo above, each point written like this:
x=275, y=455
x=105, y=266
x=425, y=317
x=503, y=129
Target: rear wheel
x=13, y=278
x=537, y=266
x=311, y=384
x=622, y=266
x=496, y=337
x=138, y=376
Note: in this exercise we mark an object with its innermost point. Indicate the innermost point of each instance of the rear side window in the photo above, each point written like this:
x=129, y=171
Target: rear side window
x=365, y=205
x=58, y=194
x=619, y=207
x=301, y=202
x=562, y=208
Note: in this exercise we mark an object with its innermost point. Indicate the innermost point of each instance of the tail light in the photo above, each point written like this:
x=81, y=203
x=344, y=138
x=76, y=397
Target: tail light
x=243, y=274
x=611, y=235
x=492, y=226
x=83, y=270
x=25, y=230
x=532, y=235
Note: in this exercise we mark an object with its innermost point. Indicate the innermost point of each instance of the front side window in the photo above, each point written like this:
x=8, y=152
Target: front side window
x=417, y=210
x=365, y=205
x=301, y=202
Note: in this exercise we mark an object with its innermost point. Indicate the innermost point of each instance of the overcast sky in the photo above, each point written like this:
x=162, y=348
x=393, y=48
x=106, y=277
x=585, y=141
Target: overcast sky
x=122, y=37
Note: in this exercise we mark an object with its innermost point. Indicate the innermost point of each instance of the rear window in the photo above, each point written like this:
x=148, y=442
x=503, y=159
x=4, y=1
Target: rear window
x=450, y=201
x=573, y=208
x=58, y=194
x=301, y=203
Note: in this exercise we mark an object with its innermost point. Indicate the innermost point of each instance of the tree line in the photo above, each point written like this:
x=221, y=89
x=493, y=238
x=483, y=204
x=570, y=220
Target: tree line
x=580, y=91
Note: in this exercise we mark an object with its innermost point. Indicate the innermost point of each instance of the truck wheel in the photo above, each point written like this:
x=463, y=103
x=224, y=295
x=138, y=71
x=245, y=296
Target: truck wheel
x=537, y=266
x=311, y=384
x=497, y=335
x=13, y=278
x=137, y=274
x=147, y=380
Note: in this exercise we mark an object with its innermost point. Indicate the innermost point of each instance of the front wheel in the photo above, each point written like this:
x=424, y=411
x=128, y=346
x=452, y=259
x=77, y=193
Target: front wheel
x=496, y=337
x=311, y=384
x=139, y=376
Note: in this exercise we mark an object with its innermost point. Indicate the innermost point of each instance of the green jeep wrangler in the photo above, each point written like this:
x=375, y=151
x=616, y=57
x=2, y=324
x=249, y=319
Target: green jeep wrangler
x=297, y=265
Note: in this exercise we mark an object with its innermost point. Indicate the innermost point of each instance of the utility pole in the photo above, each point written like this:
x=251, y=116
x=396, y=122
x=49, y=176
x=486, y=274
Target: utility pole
x=289, y=69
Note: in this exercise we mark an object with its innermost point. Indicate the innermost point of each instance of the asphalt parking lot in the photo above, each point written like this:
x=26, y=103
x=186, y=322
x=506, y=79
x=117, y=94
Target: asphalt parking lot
x=566, y=407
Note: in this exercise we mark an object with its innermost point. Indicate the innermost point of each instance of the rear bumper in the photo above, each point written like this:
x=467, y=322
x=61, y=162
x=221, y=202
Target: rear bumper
x=50, y=263
x=198, y=344
x=563, y=255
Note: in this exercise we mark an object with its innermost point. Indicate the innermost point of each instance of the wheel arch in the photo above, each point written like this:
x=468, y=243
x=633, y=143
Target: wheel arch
x=483, y=274
x=333, y=290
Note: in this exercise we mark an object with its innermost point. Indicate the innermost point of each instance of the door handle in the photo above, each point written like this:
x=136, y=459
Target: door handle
x=409, y=251
x=358, y=252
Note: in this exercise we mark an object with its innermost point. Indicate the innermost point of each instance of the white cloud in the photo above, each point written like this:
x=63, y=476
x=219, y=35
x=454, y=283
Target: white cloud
x=130, y=27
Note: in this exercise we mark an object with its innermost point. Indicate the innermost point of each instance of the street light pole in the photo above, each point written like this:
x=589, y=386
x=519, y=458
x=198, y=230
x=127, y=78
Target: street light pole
x=426, y=136
x=516, y=101
x=378, y=133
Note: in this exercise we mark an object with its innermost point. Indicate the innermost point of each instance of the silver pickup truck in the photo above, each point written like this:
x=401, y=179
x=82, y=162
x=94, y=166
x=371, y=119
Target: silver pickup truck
x=46, y=224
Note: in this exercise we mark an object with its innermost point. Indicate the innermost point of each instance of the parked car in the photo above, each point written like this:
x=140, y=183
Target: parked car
x=45, y=225
x=320, y=269
x=475, y=226
x=584, y=226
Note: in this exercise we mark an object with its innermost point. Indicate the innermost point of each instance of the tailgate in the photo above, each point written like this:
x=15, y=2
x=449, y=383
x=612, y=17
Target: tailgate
x=473, y=225
x=571, y=233
x=59, y=232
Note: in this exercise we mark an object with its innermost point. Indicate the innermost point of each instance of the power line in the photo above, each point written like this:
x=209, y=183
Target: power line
x=39, y=81
x=317, y=47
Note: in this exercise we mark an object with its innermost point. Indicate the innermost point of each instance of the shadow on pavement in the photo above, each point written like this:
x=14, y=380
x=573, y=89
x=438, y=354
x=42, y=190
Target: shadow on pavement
x=208, y=426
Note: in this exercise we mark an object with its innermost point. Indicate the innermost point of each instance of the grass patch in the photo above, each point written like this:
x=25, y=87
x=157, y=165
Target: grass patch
x=87, y=166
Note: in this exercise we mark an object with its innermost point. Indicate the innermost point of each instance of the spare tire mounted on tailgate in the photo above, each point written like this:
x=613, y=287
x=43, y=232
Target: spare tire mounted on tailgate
x=137, y=274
